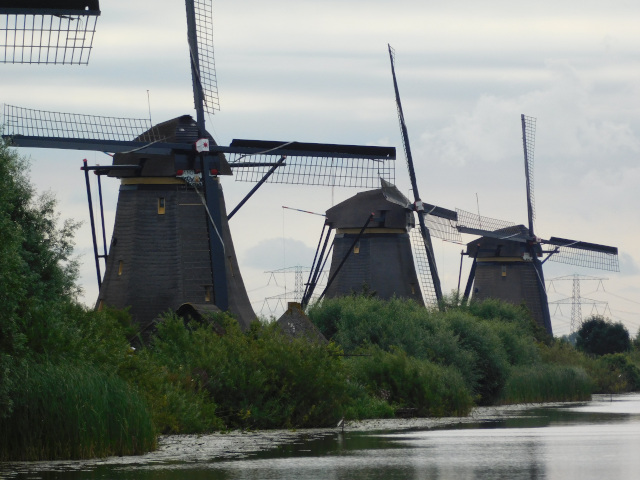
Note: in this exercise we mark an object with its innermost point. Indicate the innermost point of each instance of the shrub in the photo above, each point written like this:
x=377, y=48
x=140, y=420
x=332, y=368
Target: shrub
x=258, y=379
x=406, y=382
x=615, y=373
x=490, y=367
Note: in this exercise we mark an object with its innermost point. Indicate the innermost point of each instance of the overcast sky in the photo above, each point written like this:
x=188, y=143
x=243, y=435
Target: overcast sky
x=319, y=71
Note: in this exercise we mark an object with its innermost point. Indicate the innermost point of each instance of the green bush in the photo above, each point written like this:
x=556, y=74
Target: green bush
x=488, y=372
x=407, y=382
x=615, y=373
x=66, y=412
x=481, y=340
x=258, y=379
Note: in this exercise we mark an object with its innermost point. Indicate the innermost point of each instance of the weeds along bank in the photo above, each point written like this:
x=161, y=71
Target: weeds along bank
x=71, y=385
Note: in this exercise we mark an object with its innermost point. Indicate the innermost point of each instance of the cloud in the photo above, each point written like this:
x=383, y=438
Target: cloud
x=276, y=253
x=628, y=265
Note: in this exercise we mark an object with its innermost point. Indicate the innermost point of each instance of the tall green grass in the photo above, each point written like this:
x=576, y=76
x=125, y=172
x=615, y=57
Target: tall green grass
x=72, y=412
x=546, y=383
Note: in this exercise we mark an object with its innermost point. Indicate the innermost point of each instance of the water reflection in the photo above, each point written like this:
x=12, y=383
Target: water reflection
x=592, y=440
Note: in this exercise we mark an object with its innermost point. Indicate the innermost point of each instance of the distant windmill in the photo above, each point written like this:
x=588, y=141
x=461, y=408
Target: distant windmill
x=371, y=246
x=171, y=241
x=374, y=249
x=507, y=259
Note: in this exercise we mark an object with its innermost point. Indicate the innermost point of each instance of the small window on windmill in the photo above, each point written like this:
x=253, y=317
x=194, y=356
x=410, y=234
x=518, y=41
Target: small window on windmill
x=120, y=267
x=504, y=270
x=356, y=248
x=208, y=289
x=161, y=206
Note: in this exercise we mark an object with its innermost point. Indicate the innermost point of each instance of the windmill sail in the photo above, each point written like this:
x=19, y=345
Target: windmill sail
x=47, y=31
x=206, y=72
x=307, y=163
x=584, y=254
x=528, y=145
x=419, y=206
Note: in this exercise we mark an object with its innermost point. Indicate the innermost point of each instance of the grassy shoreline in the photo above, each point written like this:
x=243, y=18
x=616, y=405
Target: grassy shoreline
x=190, y=379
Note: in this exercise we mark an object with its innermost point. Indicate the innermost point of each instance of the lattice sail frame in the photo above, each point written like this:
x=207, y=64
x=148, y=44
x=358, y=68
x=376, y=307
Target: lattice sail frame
x=479, y=222
x=47, y=36
x=303, y=169
x=313, y=170
x=42, y=123
x=582, y=257
x=529, y=145
x=443, y=228
x=421, y=263
x=204, y=31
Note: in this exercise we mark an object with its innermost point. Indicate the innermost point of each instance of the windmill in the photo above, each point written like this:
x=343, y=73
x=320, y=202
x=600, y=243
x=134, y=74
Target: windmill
x=47, y=31
x=385, y=255
x=171, y=242
x=507, y=258
x=371, y=246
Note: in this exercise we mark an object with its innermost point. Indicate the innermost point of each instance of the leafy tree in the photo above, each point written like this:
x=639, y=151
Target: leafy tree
x=36, y=268
x=598, y=336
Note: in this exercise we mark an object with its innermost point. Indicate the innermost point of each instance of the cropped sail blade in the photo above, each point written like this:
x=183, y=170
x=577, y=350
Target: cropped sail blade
x=47, y=32
x=529, y=146
x=208, y=78
x=27, y=122
x=472, y=221
x=421, y=262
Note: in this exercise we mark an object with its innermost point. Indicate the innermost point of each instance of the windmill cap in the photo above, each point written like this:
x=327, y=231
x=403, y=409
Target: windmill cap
x=181, y=130
x=353, y=212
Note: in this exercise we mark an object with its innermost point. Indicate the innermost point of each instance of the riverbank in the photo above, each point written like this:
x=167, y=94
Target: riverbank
x=193, y=449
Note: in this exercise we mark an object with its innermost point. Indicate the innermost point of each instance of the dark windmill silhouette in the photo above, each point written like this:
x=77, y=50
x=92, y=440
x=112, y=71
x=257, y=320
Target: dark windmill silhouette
x=171, y=243
x=374, y=233
x=508, y=258
x=47, y=31
x=371, y=246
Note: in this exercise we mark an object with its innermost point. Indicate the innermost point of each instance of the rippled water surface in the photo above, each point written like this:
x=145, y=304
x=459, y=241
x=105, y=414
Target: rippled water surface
x=593, y=440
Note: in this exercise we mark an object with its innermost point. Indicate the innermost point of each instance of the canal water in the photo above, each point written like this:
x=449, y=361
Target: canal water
x=599, y=440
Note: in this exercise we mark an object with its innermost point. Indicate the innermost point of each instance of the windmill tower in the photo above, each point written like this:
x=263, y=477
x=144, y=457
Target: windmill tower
x=508, y=259
x=171, y=241
x=377, y=257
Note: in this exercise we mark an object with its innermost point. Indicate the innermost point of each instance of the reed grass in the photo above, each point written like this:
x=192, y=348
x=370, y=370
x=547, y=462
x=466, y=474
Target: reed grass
x=72, y=412
x=546, y=383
